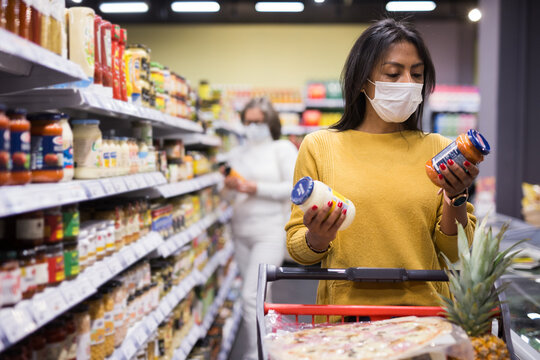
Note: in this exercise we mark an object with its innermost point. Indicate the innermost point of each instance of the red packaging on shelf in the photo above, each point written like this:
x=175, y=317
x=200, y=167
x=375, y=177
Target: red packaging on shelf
x=116, y=77
x=106, y=53
x=98, y=69
x=123, y=80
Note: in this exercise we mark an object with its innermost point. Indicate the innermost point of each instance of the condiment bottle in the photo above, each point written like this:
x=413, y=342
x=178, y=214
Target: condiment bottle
x=35, y=35
x=83, y=327
x=81, y=38
x=471, y=147
x=45, y=6
x=42, y=268
x=55, y=260
x=108, y=301
x=5, y=156
x=12, y=15
x=123, y=79
x=19, y=129
x=97, y=50
x=10, y=279
x=27, y=264
x=54, y=225
x=56, y=334
x=116, y=68
x=82, y=247
x=87, y=142
x=123, y=159
x=71, y=259
x=308, y=193
x=106, y=156
x=71, y=337
x=106, y=54
x=97, y=335
x=71, y=222
x=67, y=147
x=30, y=229
x=57, y=25
x=47, y=154
x=25, y=19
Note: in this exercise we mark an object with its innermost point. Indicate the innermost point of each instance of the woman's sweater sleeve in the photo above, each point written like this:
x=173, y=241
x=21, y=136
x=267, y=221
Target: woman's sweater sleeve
x=447, y=244
x=306, y=165
x=286, y=154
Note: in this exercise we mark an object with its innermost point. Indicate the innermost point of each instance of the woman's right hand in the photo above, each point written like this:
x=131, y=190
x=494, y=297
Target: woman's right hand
x=321, y=229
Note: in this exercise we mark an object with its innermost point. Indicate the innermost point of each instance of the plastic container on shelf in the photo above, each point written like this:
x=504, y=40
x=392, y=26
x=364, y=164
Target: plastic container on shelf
x=81, y=39
x=87, y=142
x=19, y=128
x=116, y=68
x=47, y=154
x=98, y=71
x=82, y=247
x=67, y=148
x=5, y=156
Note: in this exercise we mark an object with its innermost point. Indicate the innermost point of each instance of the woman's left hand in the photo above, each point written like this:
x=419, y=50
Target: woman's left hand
x=247, y=187
x=454, y=179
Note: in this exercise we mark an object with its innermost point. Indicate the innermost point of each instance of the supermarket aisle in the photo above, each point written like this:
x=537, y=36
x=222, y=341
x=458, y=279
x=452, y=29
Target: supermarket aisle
x=283, y=291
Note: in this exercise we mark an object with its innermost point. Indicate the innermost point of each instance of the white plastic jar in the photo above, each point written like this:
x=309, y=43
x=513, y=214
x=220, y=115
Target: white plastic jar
x=87, y=142
x=308, y=192
x=67, y=147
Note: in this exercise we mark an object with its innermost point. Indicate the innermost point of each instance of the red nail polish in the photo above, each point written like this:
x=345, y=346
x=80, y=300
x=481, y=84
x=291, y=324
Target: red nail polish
x=440, y=177
x=340, y=204
x=314, y=207
x=443, y=167
x=450, y=162
x=330, y=203
x=466, y=163
x=344, y=211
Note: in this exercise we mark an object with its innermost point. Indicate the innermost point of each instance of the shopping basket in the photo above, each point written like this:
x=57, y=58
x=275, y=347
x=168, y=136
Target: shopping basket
x=272, y=273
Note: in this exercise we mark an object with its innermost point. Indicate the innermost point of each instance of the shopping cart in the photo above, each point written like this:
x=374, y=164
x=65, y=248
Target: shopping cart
x=272, y=273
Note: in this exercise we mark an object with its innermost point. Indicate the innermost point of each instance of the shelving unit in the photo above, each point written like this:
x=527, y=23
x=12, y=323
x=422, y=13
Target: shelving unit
x=187, y=186
x=325, y=103
x=299, y=130
x=237, y=129
x=227, y=343
x=24, y=65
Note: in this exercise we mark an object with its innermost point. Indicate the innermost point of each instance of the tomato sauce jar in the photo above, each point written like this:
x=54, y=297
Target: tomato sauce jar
x=47, y=159
x=471, y=146
x=5, y=158
x=19, y=128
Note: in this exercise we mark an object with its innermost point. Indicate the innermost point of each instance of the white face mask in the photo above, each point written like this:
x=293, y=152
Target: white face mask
x=257, y=133
x=395, y=102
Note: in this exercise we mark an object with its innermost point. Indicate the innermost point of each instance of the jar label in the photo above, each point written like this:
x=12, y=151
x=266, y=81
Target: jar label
x=113, y=155
x=118, y=314
x=71, y=263
x=98, y=332
x=54, y=228
x=42, y=274
x=68, y=157
x=30, y=229
x=87, y=153
x=28, y=278
x=450, y=152
x=72, y=223
x=106, y=159
x=83, y=346
x=20, y=150
x=5, y=164
x=47, y=153
x=108, y=48
x=109, y=323
x=100, y=244
x=56, y=269
x=110, y=239
x=10, y=286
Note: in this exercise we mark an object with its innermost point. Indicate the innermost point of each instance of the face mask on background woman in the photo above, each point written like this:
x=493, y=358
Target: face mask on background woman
x=395, y=102
x=257, y=133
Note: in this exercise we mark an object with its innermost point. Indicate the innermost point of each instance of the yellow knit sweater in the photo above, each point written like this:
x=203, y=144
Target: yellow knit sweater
x=397, y=213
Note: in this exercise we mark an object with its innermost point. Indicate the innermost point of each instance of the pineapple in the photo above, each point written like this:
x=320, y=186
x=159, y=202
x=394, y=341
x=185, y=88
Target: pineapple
x=473, y=298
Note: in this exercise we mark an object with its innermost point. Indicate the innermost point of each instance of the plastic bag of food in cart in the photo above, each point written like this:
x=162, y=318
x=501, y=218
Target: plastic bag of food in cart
x=398, y=338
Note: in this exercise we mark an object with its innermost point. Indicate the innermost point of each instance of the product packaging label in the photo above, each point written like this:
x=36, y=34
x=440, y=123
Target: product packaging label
x=10, y=286
x=54, y=228
x=68, y=157
x=98, y=332
x=108, y=48
x=47, y=153
x=118, y=314
x=30, y=229
x=83, y=346
x=450, y=152
x=20, y=150
x=71, y=263
x=56, y=269
x=42, y=274
x=100, y=244
x=28, y=278
x=107, y=159
x=109, y=323
x=72, y=223
x=113, y=159
x=5, y=163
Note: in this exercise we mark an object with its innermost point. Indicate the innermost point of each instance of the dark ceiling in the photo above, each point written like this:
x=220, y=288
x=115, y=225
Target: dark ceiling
x=331, y=11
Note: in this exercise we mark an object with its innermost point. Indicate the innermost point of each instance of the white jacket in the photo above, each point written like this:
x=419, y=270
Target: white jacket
x=271, y=165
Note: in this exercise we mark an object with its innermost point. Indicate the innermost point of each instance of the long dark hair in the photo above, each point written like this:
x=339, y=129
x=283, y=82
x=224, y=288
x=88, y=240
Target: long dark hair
x=271, y=117
x=365, y=54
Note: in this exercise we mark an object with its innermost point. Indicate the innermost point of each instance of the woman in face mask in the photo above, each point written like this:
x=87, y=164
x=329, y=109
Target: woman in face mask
x=375, y=156
x=261, y=179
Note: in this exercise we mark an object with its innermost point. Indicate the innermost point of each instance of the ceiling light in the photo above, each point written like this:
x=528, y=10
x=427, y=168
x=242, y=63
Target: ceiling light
x=533, y=316
x=475, y=15
x=410, y=6
x=123, y=7
x=319, y=1
x=77, y=1
x=293, y=6
x=195, y=6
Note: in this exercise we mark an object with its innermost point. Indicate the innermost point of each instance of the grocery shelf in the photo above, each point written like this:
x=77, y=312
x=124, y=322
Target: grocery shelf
x=289, y=107
x=90, y=101
x=237, y=129
x=23, y=198
x=24, y=65
x=199, y=331
x=299, y=129
x=227, y=343
x=30, y=315
x=139, y=333
x=324, y=103
x=187, y=186
x=201, y=140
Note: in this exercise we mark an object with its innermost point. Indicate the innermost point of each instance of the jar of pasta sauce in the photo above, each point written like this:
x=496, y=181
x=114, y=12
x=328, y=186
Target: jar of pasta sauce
x=28, y=266
x=55, y=260
x=5, y=157
x=47, y=154
x=19, y=128
x=10, y=279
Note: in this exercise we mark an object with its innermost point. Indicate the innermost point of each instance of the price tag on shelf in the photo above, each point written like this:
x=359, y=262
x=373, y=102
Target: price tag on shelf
x=70, y=293
x=71, y=192
x=158, y=315
x=141, y=334
x=178, y=241
x=130, y=183
x=146, y=243
x=40, y=310
x=119, y=185
x=139, y=250
x=129, y=348
x=114, y=264
x=151, y=323
x=16, y=324
x=128, y=256
x=179, y=292
x=140, y=180
x=158, y=178
x=173, y=299
x=108, y=186
x=93, y=189
x=99, y=274
x=149, y=179
x=164, y=308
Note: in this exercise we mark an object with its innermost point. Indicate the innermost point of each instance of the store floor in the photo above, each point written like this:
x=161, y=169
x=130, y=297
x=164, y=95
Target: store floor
x=285, y=292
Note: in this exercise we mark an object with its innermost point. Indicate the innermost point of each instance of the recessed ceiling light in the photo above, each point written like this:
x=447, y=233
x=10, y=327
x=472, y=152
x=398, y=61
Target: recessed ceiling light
x=292, y=6
x=410, y=6
x=123, y=7
x=195, y=6
x=475, y=15
x=319, y=1
x=76, y=1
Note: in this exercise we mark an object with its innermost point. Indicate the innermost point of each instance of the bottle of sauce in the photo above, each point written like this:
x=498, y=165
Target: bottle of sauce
x=124, y=156
x=45, y=23
x=47, y=154
x=57, y=23
x=106, y=156
x=116, y=77
x=106, y=54
x=123, y=78
x=54, y=226
x=87, y=142
x=5, y=156
x=19, y=128
x=35, y=9
x=12, y=15
x=25, y=19
x=81, y=39
x=97, y=50
x=67, y=148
